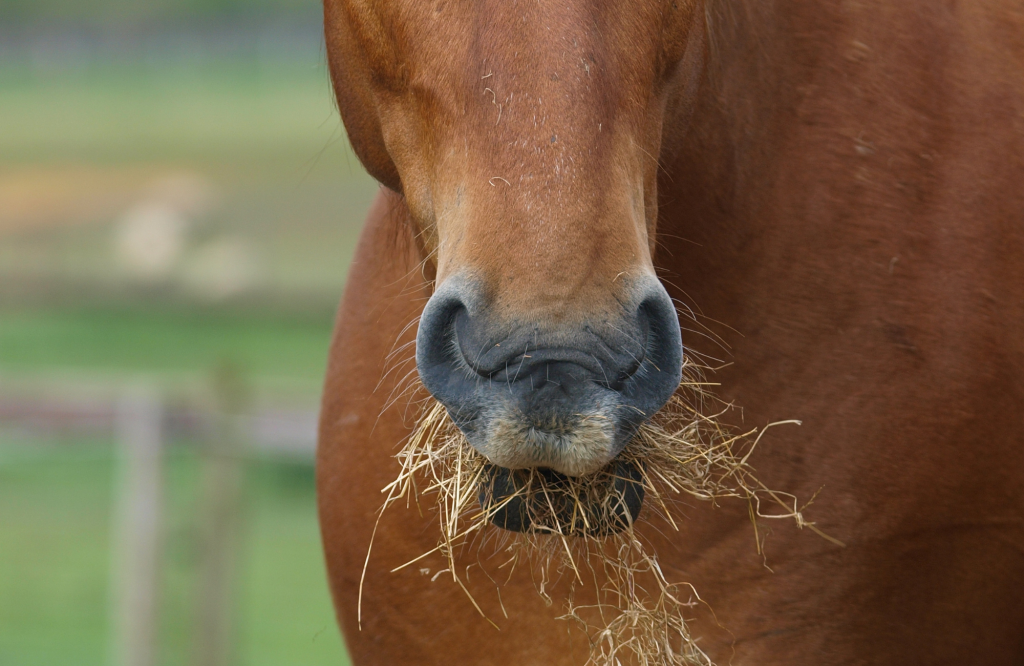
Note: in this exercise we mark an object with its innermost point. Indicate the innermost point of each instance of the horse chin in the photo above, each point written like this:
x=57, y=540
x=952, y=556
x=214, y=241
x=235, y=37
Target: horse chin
x=577, y=442
x=543, y=501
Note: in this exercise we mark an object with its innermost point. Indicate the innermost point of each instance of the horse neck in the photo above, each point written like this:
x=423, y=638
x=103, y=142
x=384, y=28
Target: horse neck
x=827, y=139
x=711, y=185
x=778, y=95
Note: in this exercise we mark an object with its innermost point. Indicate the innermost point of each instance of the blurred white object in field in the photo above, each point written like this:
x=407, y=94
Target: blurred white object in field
x=149, y=239
x=222, y=268
x=188, y=192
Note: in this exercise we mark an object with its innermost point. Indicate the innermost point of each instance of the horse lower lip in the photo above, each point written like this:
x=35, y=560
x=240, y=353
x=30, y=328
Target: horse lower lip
x=540, y=501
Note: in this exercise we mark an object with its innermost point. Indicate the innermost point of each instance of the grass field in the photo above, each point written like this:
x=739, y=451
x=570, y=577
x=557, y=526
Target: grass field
x=263, y=145
x=56, y=503
x=248, y=114
x=280, y=354
x=274, y=189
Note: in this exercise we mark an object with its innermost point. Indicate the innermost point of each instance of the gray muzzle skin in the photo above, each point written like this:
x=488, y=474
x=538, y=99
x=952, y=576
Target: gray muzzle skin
x=565, y=397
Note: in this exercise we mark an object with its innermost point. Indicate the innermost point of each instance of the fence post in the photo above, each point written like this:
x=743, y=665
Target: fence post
x=221, y=512
x=136, y=563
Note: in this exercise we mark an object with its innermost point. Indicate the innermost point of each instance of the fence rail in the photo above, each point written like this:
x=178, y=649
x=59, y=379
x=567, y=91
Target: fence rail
x=276, y=430
x=143, y=421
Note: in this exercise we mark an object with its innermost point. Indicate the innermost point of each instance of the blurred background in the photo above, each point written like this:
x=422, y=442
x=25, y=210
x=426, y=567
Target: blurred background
x=178, y=210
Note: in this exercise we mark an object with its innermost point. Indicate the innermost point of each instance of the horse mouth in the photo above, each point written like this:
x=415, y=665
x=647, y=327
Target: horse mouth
x=543, y=501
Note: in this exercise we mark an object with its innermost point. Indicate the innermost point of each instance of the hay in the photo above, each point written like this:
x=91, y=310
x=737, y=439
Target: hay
x=639, y=616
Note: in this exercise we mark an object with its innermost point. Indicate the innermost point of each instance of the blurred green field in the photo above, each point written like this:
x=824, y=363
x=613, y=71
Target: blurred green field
x=281, y=354
x=252, y=115
x=265, y=146
x=56, y=502
x=251, y=157
x=108, y=12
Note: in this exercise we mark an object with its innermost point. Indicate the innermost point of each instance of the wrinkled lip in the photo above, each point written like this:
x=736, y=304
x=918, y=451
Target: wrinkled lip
x=544, y=501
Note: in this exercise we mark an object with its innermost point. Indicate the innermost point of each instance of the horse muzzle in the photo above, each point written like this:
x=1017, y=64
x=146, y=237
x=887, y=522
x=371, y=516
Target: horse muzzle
x=563, y=393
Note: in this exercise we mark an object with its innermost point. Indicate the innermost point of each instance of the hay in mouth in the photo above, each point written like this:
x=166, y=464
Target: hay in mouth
x=544, y=501
x=584, y=526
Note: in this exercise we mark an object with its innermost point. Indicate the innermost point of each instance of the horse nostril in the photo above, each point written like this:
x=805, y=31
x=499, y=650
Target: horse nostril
x=438, y=357
x=638, y=356
x=663, y=352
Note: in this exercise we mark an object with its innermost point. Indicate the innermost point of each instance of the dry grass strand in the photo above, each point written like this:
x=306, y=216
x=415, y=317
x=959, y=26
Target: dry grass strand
x=640, y=616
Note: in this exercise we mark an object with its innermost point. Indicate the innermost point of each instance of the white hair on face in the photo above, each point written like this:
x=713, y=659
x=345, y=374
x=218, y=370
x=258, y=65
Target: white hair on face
x=581, y=445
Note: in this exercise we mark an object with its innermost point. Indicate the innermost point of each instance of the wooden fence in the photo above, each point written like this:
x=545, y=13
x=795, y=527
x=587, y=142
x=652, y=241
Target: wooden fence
x=143, y=420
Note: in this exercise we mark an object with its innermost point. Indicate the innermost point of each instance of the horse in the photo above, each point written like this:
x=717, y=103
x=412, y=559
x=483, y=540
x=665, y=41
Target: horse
x=822, y=198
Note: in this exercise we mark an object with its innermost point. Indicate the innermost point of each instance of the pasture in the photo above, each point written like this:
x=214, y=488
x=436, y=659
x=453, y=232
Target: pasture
x=55, y=536
x=247, y=160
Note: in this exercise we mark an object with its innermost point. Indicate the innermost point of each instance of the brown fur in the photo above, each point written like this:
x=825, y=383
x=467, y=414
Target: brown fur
x=839, y=187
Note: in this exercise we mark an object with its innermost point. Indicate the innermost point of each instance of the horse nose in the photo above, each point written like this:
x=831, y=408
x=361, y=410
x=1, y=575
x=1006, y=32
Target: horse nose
x=530, y=392
x=544, y=382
